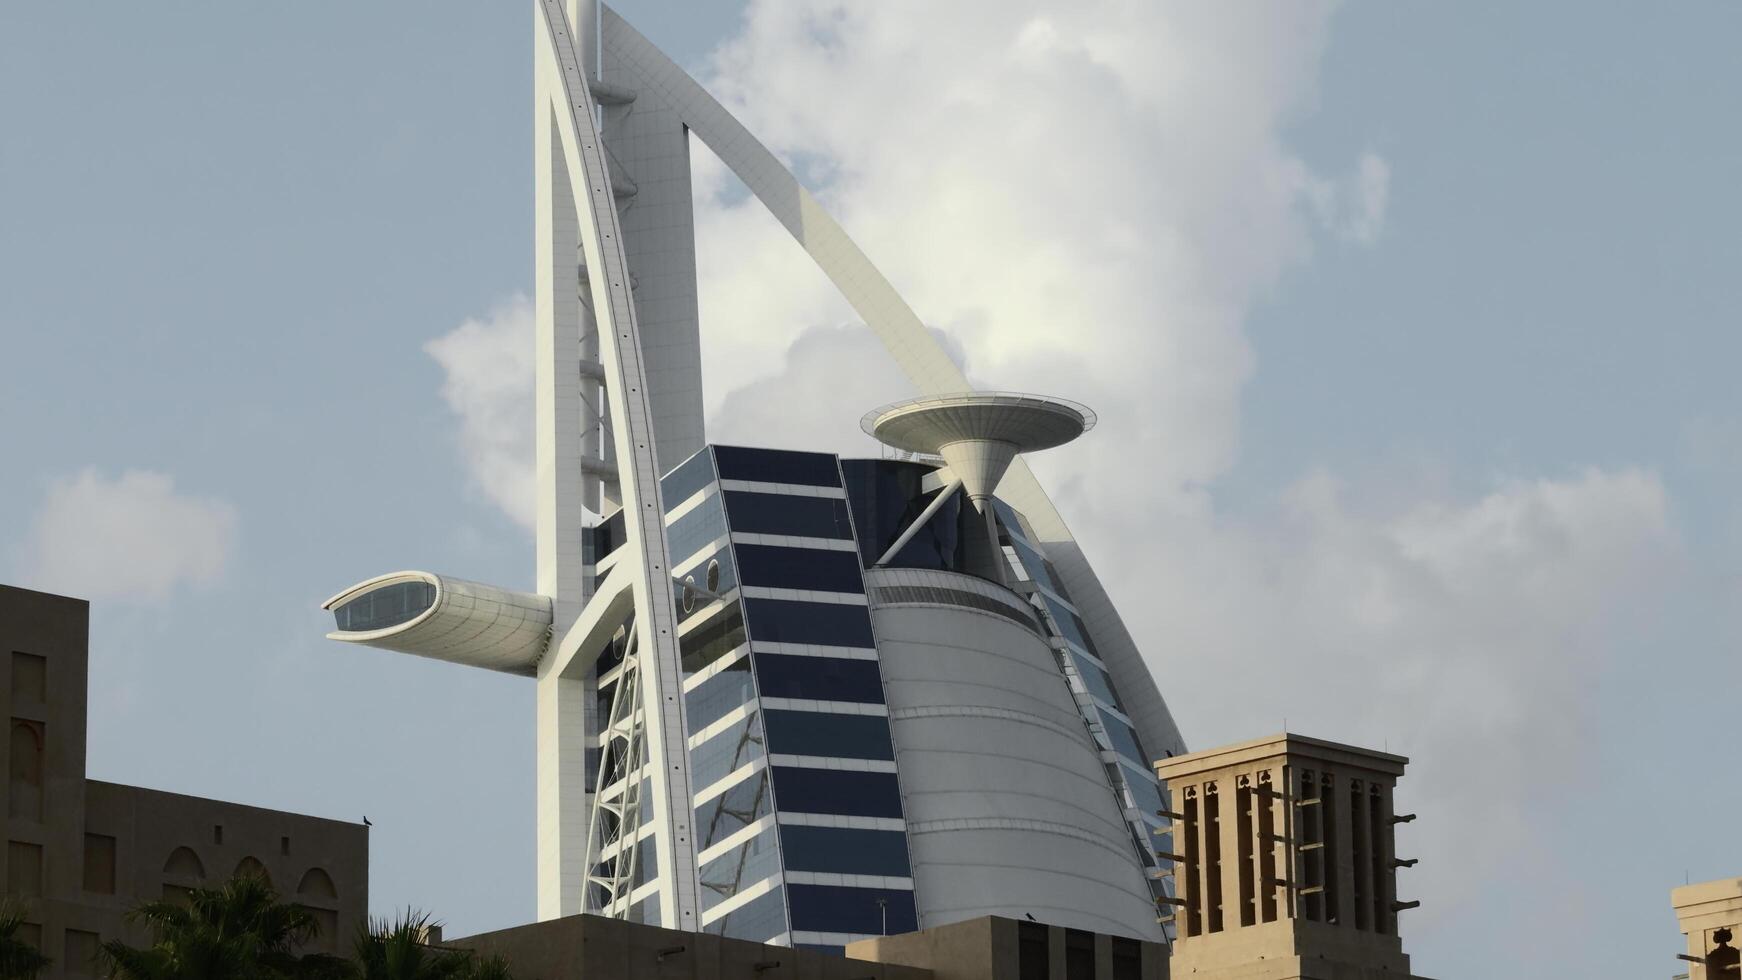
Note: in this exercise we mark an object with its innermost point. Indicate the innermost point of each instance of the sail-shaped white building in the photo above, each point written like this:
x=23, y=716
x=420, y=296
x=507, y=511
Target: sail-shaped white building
x=784, y=696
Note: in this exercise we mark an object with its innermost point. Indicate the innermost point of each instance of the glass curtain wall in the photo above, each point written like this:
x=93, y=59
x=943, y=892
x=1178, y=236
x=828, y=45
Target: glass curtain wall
x=798, y=812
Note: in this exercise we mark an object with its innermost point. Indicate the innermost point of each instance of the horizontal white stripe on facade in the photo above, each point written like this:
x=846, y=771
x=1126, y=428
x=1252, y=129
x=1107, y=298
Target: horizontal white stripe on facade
x=605, y=564
x=826, y=707
x=641, y=834
x=615, y=789
x=609, y=677
x=719, y=666
x=1063, y=602
x=733, y=839
x=848, y=881
x=744, y=897
x=803, y=595
x=842, y=822
x=831, y=762
x=688, y=504
x=695, y=559
x=810, y=650
x=722, y=723
x=787, y=489
x=794, y=541
x=1116, y=713
x=696, y=622
x=730, y=780
x=1060, y=643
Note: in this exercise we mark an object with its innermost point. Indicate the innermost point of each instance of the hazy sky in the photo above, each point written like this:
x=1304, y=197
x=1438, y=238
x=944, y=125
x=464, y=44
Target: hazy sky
x=1413, y=330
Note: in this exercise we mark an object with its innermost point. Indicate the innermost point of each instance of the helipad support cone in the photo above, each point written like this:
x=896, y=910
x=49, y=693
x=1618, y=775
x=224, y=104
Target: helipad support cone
x=979, y=464
x=978, y=434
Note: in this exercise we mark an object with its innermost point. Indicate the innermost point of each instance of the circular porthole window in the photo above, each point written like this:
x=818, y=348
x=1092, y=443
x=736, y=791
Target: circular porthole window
x=714, y=576
x=689, y=594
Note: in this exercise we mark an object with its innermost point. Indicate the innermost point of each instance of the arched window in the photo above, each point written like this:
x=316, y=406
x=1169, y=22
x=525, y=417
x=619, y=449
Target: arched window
x=24, y=770
x=316, y=883
x=184, y=863
x=250, y=867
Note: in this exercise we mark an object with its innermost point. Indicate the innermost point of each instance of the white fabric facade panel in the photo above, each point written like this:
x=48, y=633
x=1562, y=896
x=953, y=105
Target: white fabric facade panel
x=1008, y=807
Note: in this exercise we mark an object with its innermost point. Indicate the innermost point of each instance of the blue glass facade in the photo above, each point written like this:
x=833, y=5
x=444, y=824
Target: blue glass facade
x=789, y=735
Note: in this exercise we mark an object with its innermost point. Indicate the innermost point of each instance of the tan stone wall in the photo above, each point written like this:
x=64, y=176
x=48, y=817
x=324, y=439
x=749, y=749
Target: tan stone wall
x=994, y=948
x=323, y=864
x=590, y=947
x=45, y=785
x=87, y=851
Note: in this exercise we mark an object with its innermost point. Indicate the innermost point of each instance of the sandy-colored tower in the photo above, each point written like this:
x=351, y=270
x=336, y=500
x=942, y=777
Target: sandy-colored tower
x=1286, y=865
x=1710, y=913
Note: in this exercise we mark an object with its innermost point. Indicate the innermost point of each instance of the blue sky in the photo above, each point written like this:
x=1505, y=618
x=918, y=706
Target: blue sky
x=1422, y=430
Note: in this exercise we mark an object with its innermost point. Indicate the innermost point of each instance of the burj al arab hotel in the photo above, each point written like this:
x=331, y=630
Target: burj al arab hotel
x=785, y=696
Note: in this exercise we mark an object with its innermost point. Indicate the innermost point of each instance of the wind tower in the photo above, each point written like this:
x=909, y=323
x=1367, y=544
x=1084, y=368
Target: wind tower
x=1287, y=863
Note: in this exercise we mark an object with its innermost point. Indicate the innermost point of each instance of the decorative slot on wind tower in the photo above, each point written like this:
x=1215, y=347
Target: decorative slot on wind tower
x=1379, y=859
x=1268, y=880
x=1244, y=799
x=1212, y=858
x=1360, y=847
x=1192, y=872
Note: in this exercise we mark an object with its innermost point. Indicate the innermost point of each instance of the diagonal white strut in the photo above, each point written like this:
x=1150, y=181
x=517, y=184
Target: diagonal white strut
x=924, y=518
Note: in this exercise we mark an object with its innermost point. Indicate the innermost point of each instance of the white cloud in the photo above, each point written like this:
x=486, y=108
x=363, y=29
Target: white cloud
x=1470, y=634
x=132, y=537
x=1041, y=182
x=1371, y=191
x=1353, y=207
x=798, y=407
x=824, y=367
x=1089, y=198
x=488, y=364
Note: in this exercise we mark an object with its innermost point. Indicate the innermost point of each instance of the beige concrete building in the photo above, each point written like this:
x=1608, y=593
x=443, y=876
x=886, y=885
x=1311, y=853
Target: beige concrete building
x=80, y=852
x=995, y=948
x=1287, y=863
x=585, y=947
x=1710, y=914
